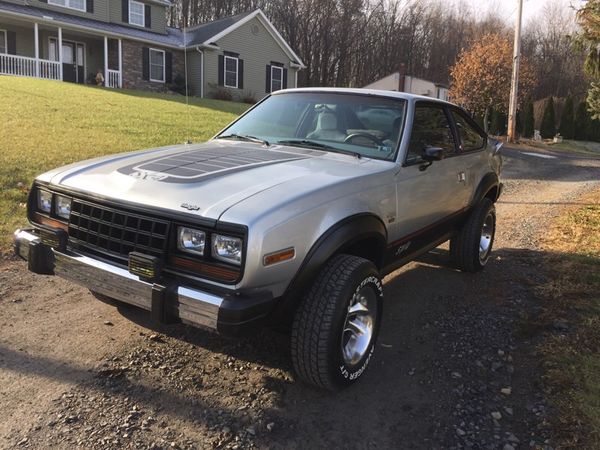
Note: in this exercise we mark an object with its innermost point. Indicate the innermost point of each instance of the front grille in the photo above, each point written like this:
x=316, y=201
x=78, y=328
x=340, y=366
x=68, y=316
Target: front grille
x=116, y=232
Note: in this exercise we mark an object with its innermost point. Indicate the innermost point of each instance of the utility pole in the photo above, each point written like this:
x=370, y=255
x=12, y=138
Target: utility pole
x=514, y=87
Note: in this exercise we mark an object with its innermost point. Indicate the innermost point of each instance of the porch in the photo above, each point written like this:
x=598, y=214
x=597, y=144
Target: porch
x=56, y=53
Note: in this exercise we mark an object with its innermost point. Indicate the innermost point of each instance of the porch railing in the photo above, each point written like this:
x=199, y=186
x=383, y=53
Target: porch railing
x=25, y=66
x=49, y=69
x=114, y=79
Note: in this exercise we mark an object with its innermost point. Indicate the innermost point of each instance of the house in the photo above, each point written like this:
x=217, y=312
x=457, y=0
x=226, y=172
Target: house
x=399, y=81
x=129, y=42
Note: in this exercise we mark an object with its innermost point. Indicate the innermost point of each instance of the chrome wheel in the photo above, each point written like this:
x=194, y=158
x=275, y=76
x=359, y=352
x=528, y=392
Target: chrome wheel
x=487, y=235
x=359, y=325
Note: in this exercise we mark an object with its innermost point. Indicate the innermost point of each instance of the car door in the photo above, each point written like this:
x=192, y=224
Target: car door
x=472, y=143
x=428, y=195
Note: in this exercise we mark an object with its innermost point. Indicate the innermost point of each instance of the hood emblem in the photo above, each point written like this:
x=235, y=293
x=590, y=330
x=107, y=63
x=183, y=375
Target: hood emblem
x=190, y=207
x=148, y=175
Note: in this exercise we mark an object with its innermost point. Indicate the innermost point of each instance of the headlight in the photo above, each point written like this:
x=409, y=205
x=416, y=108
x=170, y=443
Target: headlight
x=190, y=240
x=63, y=206
x=44, y=201
x=227, y=248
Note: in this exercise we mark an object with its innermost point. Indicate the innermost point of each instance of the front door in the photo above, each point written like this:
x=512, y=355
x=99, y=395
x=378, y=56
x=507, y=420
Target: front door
x=429, y=197
x=73, y=60
x=69, y=62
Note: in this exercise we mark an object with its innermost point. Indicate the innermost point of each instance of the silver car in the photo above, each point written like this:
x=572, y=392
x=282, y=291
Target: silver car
x=288, y=218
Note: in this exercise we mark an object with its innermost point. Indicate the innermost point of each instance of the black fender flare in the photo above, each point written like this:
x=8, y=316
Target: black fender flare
x=338, y=237
x=488, y=183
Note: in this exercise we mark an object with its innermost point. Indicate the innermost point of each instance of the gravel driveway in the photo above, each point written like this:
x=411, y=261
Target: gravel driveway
x=452, y=367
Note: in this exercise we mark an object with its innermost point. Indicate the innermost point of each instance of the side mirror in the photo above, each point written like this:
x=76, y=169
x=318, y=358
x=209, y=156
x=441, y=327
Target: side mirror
x=431, y=154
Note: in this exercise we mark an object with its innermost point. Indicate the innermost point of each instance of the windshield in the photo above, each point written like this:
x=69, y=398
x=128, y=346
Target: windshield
x=361, y=125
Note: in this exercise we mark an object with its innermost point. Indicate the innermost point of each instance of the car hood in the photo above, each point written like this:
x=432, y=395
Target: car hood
x=206, y=179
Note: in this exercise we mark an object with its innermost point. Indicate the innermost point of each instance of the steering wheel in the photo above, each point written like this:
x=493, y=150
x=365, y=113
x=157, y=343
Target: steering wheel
x=372, y=138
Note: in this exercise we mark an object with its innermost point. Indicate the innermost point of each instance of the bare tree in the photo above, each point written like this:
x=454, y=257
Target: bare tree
x=355, y=42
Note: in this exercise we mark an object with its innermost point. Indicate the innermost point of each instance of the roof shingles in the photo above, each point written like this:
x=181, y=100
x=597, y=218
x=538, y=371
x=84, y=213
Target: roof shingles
x=201, y=33
x=173, y=37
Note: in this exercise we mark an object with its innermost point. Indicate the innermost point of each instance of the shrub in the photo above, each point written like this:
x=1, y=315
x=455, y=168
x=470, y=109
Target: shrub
x=567, y=120
x=581, y=123
x=497, y=123
x=529, y=121
x=548, y=127
x=222, y=94
x=248, y=97
x=519, y=123
x=178, y=85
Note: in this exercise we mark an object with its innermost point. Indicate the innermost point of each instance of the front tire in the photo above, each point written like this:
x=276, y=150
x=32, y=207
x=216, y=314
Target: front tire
x=336, y=325
x=471, y=247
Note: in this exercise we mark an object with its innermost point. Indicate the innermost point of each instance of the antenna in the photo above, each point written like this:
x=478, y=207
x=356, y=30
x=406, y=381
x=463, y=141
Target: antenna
x=187, y=96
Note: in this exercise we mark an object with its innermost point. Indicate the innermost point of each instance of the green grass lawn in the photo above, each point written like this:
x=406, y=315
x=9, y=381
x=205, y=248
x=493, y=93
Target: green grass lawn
x=571, y=296
x=46, y=124
x=585, y=148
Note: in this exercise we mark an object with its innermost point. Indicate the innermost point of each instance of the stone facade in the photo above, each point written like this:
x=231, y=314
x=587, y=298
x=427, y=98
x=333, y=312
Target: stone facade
x=133, y=71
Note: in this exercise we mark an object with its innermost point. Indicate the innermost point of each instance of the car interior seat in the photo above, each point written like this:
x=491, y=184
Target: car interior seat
x=327, y=128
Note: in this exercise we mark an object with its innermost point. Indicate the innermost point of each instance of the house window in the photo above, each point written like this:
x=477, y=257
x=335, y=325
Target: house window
x=136, y=13
x=3, y=43
x=157, y=65
x=73, y=4
x=231, y=71
x=276, y=78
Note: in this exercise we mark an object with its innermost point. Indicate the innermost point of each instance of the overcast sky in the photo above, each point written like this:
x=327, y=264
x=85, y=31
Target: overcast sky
x=508, y=8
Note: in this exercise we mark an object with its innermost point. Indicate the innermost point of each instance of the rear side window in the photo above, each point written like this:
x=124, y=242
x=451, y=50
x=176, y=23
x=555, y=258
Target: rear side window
x=431, y=128
x=470, y=138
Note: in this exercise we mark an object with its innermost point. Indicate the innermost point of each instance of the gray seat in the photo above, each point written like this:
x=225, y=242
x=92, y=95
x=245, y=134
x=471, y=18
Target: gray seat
x=327, y=128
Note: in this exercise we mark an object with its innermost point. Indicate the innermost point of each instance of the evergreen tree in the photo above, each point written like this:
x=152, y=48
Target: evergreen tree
x=548, y=127
x=479, y=120
x=580, y=127
x=566, y=129
x=519, y=123
x=593, y=129
x=495, y=125
x=502, y=124
x=529, y=122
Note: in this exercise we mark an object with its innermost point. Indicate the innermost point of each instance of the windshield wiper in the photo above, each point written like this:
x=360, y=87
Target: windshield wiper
x=245, y=137
x=314, y=144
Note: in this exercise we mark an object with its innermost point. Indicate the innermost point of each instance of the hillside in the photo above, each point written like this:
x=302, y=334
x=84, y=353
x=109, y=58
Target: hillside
x=48, y=124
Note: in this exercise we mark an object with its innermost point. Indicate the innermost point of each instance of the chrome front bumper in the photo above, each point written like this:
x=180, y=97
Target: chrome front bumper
x=189, y=305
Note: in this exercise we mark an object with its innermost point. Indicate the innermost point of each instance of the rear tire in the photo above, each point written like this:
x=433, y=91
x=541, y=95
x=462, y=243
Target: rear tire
x=336, y=325
x=471, y=247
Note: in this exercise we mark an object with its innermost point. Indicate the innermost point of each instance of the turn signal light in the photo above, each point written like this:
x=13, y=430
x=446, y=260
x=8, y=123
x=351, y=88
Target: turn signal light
x=280, y=256
x=38, y=218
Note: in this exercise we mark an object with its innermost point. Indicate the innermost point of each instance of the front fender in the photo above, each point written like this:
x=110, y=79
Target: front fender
x=489, y=186
x=339, y=238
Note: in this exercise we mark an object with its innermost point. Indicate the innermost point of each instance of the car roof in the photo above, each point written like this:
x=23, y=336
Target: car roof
x=372, y=92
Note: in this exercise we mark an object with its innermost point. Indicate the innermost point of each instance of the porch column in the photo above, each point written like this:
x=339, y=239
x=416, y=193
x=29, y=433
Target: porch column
x=120, y=65
x=60, y=54
x=106, y=61
x=36, y=42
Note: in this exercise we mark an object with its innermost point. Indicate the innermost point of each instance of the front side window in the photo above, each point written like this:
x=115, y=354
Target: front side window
x=231, y=71
x=470, y=138
x=73, y=4
x=276, y=78
x=157, y=65
x=136, y=13
x=369, y=126
x=3, y=41
x=431, y=128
